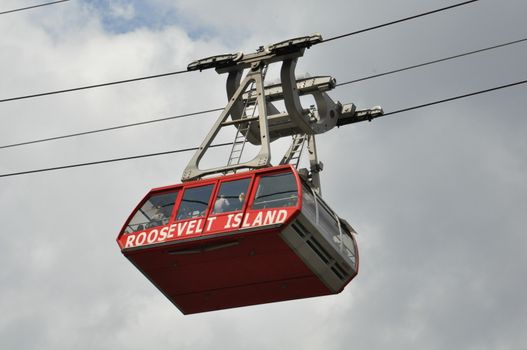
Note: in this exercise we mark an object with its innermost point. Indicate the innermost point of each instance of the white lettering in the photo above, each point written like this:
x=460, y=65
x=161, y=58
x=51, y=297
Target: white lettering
x=237, y=219
x=246, y=221
x=199, y=228
x=209, y=222
x=140, y=239
x=171, y=231
x=129, y=241
x=163, y=234
x=258, y=220
x=181, y=228
x=269, y=217
x=229, y=219
x=191, y=226
x=152, y=236
x=282, y=215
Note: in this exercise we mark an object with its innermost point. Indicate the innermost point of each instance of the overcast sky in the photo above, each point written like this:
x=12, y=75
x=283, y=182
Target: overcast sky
x=438, y=195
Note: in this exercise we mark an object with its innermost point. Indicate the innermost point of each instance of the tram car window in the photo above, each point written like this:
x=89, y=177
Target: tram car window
x=231, y=196
x=276, y=191
x=154, y=212
x=195, y=202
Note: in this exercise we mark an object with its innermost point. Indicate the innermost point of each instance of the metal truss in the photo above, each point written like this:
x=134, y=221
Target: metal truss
x=249, y=95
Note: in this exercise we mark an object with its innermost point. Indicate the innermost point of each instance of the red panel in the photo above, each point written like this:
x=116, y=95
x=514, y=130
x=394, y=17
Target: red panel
x=254, y=294
x=258, y=263
x=252, y=261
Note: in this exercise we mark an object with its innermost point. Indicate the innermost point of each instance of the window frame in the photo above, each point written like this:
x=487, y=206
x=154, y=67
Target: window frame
x=254, y=175
x=221, y=181
x=184, y=188
x=256, y=185
x=146, y=198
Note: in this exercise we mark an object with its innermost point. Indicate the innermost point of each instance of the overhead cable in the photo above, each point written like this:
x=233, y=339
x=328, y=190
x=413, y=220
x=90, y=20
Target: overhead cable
x=432, y=62
x=229, y=143
x=407, y=109
x=32, y=7
x=397, y=21
x=219, y=109
x=93, y=86
x=185, y=71
x=111, y=128
x=62, y=167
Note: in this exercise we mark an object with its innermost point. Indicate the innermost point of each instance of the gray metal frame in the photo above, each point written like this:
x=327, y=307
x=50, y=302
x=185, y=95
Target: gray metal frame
x=270, y=124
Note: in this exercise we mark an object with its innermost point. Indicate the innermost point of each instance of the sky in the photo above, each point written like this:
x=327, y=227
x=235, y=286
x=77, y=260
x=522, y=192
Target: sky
x=437, y=195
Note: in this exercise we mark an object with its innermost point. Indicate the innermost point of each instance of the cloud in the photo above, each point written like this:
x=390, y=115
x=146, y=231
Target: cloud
x=122, y=10
x=437, y=195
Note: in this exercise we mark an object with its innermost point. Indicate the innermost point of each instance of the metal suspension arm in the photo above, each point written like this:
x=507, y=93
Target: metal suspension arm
x=271, y=124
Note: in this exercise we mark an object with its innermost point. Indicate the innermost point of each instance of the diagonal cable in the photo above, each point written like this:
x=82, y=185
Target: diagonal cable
x=185, y=71
x=433, y=62
x=62, y=167
x=110, y=128
x=219, y=109
x=397, y=21
x=229, y=143
x=32, y=7
x=92, y=86
x=407, y=109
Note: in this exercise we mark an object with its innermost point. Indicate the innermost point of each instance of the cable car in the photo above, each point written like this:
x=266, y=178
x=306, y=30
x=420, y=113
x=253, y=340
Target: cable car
x=257, y=233
x=244, y=239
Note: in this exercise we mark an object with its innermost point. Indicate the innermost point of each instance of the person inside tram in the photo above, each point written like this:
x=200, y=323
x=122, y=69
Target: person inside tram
x=222, y=204
x=158, y=217
x=241, y=198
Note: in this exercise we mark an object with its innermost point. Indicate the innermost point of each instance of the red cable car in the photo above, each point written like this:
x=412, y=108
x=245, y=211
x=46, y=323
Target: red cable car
x=257, y=237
